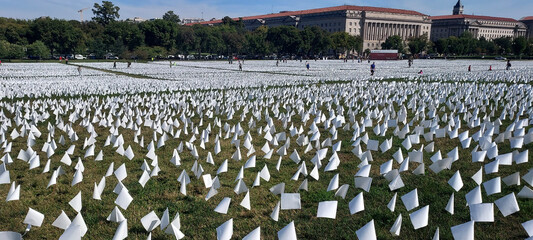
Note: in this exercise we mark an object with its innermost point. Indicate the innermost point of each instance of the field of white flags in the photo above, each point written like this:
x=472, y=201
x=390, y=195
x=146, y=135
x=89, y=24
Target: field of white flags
x=201, y=150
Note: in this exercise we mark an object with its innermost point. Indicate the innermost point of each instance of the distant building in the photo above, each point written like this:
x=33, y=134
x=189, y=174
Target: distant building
x=374, y=24
x=528, y=21
x=458, y=8
x=135, y=20
x=191, y=20
x=480, y=26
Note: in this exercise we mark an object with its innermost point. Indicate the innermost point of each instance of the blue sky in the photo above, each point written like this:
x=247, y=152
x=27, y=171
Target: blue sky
x=67, y=9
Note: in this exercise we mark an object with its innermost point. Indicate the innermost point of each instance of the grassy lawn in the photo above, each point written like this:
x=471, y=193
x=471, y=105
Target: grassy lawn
x=198, y=218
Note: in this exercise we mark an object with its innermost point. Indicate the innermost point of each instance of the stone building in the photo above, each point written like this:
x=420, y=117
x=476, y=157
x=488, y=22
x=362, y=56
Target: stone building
x=374, y=24
x=480, y=26
x=528, y=21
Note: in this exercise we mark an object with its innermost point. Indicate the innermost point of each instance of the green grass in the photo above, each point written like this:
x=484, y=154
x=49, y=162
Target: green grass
x=198, y=219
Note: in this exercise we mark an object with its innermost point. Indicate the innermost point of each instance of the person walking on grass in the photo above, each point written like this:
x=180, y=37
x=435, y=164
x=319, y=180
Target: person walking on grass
x=114, y=64
x=508, y=65
x=490, y=68
x=307, y=65
x=372, y=68
x=469, y=68
x=240, y=66
x=79, y=70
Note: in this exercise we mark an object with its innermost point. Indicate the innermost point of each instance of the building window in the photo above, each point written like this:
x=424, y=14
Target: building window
x=350, y=23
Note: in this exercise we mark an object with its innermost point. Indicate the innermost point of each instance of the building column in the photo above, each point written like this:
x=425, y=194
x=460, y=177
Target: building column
x=373, y=31
x=369, y=36
x=380, y=30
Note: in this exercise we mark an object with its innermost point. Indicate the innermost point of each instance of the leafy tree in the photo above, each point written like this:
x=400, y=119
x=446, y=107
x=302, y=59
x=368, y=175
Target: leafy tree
x=342, y=42
x=97, y=47
x=519, y=45
x=149, y=52
x=122, y=35
x=455, y=46
x=58, y=35
x=14, y=31
x=3, y=48
x=315, y=40
x=257, y=43
x=394, y=42
x=504, y=44
x=159, y=33
x=418, y=44
x=285, y=39
x=105, y=13
x=38, y=49
x=234, y=42
x=11, y=51
x=355, y=43
x=171, y=17
x=442, y=46
x=529, y=48
x=367, y=52
x=186, y=39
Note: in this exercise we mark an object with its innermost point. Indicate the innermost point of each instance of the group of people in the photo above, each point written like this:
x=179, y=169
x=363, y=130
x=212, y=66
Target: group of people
x=115, y=64
x=507, y=66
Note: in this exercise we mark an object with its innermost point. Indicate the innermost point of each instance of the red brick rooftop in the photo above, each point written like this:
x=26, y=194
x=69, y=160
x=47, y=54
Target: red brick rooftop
x=321, y=10
x=462, y=16
x=527, y=18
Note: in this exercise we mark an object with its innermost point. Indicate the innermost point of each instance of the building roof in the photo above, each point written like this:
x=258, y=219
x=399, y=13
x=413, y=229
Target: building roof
x=323, y=10
x=530, y=18
x=463, y=16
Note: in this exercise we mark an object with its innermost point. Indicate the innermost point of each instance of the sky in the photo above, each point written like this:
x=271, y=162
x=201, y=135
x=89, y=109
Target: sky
x=207, y=9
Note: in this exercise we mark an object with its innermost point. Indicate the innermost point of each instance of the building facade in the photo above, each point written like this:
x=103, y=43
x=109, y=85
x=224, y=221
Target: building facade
x=373, y=24
x=479, y=26
x=528, y=21
x=191, y=20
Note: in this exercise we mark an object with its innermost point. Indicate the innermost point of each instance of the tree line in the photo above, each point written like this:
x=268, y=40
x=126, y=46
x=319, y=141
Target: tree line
x=44, y=37
x=105, y=34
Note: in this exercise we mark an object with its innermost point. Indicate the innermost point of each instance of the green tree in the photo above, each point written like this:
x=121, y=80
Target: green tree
x=315, y=41
x=468, y=42
x=504, y=44
x=14, y=30
x=284, y=39
x=159, y=33
x=234, y=42
x=4, y=48
x=58, y=35
x=394, y=42
x=105, y=13
x=342, y=42
x=257, y=43
x=186, y=39
x=418, y=44
x=97, y=47
x=12, y=51
x=529, y=48
x=38, y=49
x=355, y=43
x=171, y=17
x=442, y=46
x=519, y=45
